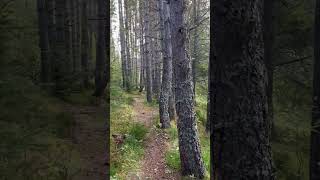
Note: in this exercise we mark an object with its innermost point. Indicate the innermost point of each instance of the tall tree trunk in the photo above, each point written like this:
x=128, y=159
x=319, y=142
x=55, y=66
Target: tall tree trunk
x=166, y=86
x=127, y=42
x=172, y=105
x=195, y=49
x=157, y=64
x=44, y=41
x=189, y=146
x=50, y=6
x=68, y=37
x=103, y=52
x=148, y=52
x=60, y=60
x=238, y=102
x=142, y=51
x=78, y=39
x=122, y=46
x=73, y=34
x=315, y=135
x=85, y=46
x=136, y=43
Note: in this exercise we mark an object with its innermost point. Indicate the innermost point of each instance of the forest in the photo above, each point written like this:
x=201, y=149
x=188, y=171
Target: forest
x=159, y=89
x=54, y=74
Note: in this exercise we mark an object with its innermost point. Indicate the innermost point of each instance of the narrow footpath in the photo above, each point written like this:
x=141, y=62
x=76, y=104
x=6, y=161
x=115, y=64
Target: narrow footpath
x=153, y=165
x=89, y=139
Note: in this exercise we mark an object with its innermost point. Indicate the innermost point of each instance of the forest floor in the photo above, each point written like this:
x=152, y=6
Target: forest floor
x=153, y=164
x=89, y=139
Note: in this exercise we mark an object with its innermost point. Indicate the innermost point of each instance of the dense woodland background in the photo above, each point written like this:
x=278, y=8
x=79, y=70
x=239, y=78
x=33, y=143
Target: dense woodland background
x=53, y=70
x=37, y=141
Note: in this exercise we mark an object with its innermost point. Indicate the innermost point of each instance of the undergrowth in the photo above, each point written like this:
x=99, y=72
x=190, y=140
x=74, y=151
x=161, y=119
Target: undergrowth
x=172, y=156
x=36, y=141
x=125, y=157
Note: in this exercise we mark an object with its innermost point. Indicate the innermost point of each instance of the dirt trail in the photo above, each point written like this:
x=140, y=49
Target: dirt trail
x=153, y=165
x=89, y=138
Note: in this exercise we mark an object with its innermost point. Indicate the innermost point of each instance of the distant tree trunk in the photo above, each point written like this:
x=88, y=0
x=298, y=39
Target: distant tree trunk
x=85, y=46
x=166, y=86
x=148, y=53
x=127, y=42
x=136, y=32
x=172, y=105
x=315, y=135
x=73, y=34
x=103, y=52
x=60, y=60
x=157, y=70
x=238, y=102
x=44, y=41
x=189, y=146
x=50, y=5
x=195, y=42
x=68, y=36
x=78, y=40
x=154, y=64
x=155, y=48
x=141, y=74
x=123, y=47
x=142, y=51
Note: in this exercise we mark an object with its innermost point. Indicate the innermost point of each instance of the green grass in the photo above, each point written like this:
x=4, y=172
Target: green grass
x=83, y=97
x=34, y=143
x=154, y=103
x=172, y=156
x=138, y=131
x=173, y=159
x=291, y=133
x=125, y=159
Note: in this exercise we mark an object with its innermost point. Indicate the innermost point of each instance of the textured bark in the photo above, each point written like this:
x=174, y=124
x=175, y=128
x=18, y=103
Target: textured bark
x=157, y=65
x=85, y=46
x=68, y=41
x=189, y=146
x=78, y=39
x=195, y=48
x=172, y=103
x=50, y=5
x=154, y=66
x=60, y=60
x=148, y=53
x=315, y=135
x=73, y=34
x=142, y=52
x=166, y=85
x=103, y=52
x=136, y=32
x=127, y=42
x=122, y=46
x=238, y=103
x=155, y=48
x=44, y=41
